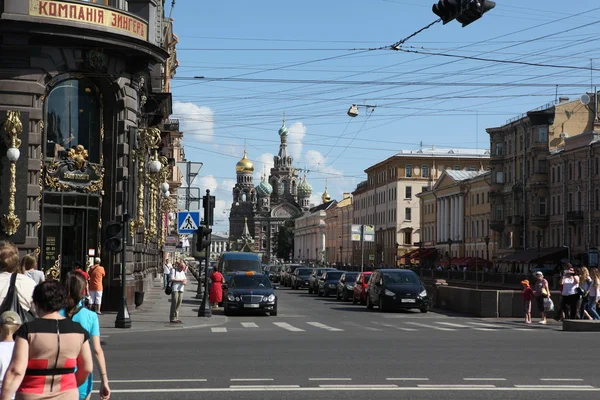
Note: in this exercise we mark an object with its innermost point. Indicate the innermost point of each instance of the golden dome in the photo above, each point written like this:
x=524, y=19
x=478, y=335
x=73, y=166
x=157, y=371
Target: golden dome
x=326, y=197
x=244, y=165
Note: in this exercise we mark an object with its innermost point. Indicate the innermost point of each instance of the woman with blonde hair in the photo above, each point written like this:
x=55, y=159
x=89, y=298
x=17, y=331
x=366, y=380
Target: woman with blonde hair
x=585, y=282
x=594, y=294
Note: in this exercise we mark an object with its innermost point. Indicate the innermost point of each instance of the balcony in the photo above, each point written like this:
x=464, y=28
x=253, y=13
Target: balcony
x=514, y=220
x=171, y=125
x=575, y=217
x=539, y=221
x=538, y=179
x=497, y=226
x=497, y=187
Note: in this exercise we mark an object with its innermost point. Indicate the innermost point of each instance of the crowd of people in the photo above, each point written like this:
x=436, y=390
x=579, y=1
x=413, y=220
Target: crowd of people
x=580, y=295
x=46, y=330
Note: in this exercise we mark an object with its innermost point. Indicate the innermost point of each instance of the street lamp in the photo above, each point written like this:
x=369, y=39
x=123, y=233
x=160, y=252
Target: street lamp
x=353, y=110
x=539, y=242
x=13, y=127
x=487, y=249
x=450, y=241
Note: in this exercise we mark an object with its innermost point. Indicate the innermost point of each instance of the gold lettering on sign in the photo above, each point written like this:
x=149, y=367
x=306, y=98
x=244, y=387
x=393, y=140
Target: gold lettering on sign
x=91, y=14
x=77, y=176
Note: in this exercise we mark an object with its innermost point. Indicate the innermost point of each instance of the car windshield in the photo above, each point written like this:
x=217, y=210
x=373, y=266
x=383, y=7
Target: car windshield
x=334, y=275
x=400, y=278
x=250, y=282
x=351, y=278
x=304, y=272
x=241, y=265
x=366, y=278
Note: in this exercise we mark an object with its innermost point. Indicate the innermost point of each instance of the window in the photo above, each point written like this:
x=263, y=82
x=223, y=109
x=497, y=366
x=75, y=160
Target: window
x=499, y=213
x=407, y=237
x=499, y=149
x=425, y=171
x=499, y=177
x=408, y=171
x=542, y=167
x=553, y=209
x=553, y=175
x=597, y=166
x=579, y=170
x=558, y=175
x=542, y=134
x=570, y=171
x=408, y=214
x=597, y=199
x=579, y=202
x=457, y=167
x=408, y=192
x=477, y=199
x=570, y=200
x=73, y=118
x=541, y=206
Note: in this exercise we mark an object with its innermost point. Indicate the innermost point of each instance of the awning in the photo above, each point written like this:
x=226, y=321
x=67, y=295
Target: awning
x=535, y=256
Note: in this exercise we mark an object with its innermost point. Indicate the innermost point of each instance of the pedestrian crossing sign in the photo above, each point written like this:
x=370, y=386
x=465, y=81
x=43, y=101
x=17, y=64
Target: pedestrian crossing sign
x=188, y=221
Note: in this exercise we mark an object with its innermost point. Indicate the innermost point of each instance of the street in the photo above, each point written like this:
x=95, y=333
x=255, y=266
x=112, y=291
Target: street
x=330, y=348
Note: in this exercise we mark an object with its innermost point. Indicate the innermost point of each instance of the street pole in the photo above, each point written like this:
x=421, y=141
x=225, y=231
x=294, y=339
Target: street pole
x=204, y=310
x=123, y=319
x=362, y=248
x=476, y=266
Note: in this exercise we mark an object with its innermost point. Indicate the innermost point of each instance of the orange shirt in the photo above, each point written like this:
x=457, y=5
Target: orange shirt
x=96, y=275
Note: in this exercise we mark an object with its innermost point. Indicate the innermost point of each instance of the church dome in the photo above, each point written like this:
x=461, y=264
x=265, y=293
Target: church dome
x=283, y=131
x=244, y=165
x=326, y=197
x=264, y=188
x=304, y=189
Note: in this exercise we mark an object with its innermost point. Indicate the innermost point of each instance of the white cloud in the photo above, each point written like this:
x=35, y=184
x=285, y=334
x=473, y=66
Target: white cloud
x=337, y=184
x=297, y=131
x=196, y=122
x=265, y=161
x=207, y=182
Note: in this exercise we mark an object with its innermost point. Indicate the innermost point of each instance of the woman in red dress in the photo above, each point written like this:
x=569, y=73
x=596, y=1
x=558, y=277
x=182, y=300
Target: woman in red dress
x=216, y=288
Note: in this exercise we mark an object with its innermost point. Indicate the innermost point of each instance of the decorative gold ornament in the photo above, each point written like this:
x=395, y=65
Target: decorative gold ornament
x=13, y=127
x=54, y=271
x=78, y=155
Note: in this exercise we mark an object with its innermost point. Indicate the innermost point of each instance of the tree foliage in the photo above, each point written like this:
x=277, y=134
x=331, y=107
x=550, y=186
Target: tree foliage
x=284, y=240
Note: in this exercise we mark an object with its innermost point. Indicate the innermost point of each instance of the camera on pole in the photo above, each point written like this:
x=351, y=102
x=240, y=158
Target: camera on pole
x=464, y=11
x=113, y=237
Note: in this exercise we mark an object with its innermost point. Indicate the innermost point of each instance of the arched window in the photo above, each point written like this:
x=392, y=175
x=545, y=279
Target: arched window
x=285, y=186
x=73, y=118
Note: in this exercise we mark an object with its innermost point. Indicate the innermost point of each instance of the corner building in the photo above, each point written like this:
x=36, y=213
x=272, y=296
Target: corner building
x=88, y=83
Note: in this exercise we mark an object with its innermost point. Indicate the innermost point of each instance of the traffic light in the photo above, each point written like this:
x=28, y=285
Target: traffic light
x=113, y=233
x=208, y=203
x=464, y=11
x=202, y=238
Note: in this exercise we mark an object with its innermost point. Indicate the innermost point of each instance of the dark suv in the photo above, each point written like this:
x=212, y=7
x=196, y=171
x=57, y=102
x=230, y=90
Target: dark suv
x=396, y=288
x=313, y=281
x=300, y=278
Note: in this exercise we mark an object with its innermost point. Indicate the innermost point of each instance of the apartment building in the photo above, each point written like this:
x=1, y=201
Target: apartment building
x=338, y=222
x=520, y=187
x=388, y=198
x=455, y=220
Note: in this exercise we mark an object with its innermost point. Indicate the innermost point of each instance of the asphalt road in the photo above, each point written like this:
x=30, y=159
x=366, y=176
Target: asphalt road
x=324, y=349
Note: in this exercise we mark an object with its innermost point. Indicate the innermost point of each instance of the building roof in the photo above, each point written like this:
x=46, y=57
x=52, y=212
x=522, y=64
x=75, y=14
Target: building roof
x=323, y=206
x=464, y=175
x=444, y=153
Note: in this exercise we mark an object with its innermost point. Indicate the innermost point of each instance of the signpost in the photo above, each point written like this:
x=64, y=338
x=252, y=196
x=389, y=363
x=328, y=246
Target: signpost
x=188, y=221
x=362, y=234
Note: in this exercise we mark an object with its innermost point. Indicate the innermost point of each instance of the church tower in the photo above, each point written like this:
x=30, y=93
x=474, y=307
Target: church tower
x=283, y=177
x=304, y=193
x=244, y=198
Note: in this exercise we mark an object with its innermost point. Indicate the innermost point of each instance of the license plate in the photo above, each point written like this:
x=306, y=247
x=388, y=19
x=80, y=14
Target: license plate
x=251, y=305
x=409, y=301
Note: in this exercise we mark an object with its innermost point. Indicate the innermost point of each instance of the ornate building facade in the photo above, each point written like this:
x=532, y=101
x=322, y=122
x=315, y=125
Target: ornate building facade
x=84, y=96
x=281, y=195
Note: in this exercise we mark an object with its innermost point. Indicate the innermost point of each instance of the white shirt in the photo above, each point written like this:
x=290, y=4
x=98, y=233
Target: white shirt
x=167, y=269
x=179, y=276
x=24, y=286
x=37, y=276
x=6, y=350
x=569, y=286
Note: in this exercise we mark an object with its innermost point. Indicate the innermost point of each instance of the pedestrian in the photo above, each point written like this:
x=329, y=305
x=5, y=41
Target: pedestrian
x=76, y=311
x=178, y=282
x=167, y=267
x=9, y=323
x=585, y=283
x=29, y=266
x=9, y=265
x=216, y=288
x=570, y=295
x=81, y=269
x=527, y=297
x=96, y=275
x=541, y=292
x=50, y=348
x=594, y=294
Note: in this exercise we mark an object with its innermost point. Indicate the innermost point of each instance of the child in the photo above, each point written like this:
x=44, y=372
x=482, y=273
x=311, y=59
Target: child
x=9, y=323
x=527, y=296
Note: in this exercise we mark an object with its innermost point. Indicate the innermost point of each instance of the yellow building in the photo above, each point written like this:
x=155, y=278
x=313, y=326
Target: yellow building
x=338, y=244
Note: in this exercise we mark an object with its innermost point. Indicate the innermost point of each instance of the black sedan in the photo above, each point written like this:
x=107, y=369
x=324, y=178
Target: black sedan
x=328, y=282
x=345, y=286
x=313, y=281
x=300, y=278
x=249, y=291
x=396, y=288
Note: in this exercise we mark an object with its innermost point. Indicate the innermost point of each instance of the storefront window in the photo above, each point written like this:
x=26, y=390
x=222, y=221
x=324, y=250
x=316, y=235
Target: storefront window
x=73, y=118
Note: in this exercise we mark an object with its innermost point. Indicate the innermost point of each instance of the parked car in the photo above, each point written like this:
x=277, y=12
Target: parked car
x=313, y=281
x=300, y=278
x=274, y=276
x=249, y=291
x=359, y=292
x=328, y=282
x=286, y=276
x=396, y=288
x=345, y=286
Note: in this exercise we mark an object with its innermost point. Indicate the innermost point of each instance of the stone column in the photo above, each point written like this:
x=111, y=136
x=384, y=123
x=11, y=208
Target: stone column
x=461, y=216
x=438, y=233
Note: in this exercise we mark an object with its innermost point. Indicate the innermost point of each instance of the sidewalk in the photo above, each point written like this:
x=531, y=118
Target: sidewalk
x=153, y=315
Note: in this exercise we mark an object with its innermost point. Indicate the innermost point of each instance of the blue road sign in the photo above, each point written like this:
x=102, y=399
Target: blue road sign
x=188, y=221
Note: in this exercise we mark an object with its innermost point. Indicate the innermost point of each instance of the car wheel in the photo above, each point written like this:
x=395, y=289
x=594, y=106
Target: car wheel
x=363, y=301
x=424, y=310
x=274, y=312
x=319, y=293
x=325, y=293
x=227, y=311
x=345, y=296
x=310, y=290
x=354, y=299
x=381, y=306
x=337, y=295
x=369, y=304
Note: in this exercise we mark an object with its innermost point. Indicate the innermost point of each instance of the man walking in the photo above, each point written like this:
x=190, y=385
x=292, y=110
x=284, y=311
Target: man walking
x=178, y=281
x=167, y=267
x=96, y=274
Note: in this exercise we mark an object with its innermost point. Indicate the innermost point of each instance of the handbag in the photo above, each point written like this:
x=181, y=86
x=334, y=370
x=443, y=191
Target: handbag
x=11, y=302
x=579, y=291
x=169, y=288
x=548, y=304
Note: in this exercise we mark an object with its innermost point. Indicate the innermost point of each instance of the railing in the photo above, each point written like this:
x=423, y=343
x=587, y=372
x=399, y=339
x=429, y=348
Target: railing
x=575, y=215
x=171, y=125
x=544, y=107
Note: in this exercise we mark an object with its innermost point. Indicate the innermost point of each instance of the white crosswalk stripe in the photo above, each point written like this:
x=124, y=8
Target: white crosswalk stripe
x=288, y=327
x=249, y=325
x=218, y=330
x=430, y=326
x=323, y=326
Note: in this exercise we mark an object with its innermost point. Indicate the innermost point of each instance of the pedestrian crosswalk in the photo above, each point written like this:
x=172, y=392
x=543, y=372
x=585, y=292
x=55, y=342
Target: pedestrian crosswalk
x=404, y=326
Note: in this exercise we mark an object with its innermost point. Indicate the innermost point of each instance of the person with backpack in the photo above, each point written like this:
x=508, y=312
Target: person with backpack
x=75, y=310
x=9, y=266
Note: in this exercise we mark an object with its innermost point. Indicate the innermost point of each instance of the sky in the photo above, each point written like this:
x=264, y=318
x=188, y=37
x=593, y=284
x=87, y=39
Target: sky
x=242, y=65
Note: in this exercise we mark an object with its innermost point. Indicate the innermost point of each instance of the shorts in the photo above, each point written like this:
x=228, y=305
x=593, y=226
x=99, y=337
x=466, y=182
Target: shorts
x=527, y=306
x=540, y=303
x=95, y=296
